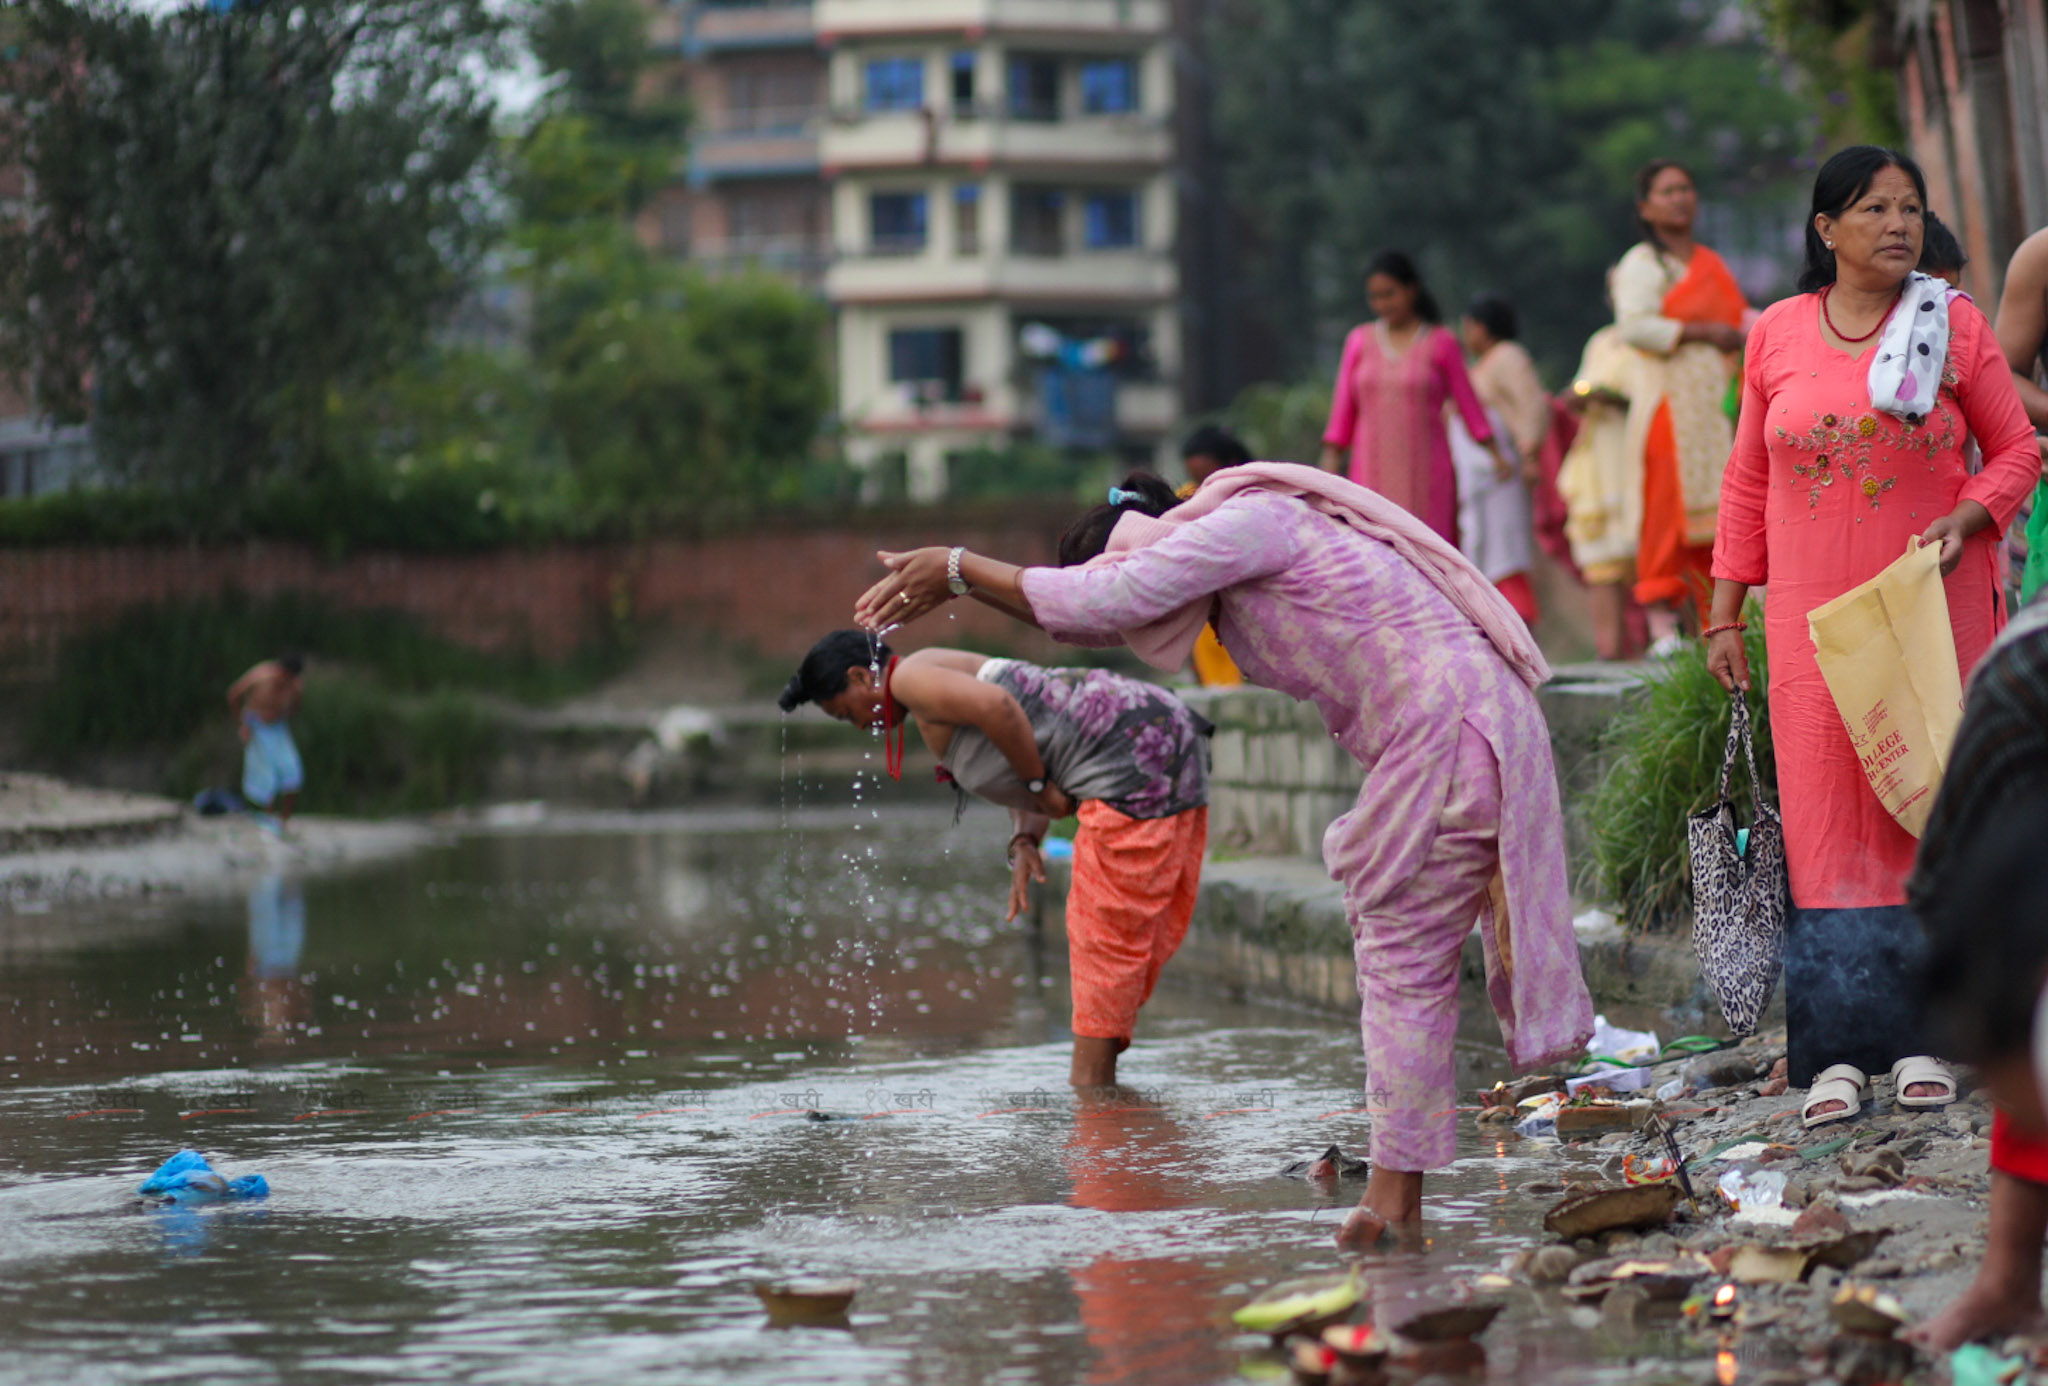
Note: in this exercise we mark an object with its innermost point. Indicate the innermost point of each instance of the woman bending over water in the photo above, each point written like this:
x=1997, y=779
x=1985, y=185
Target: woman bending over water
x=1421, y=670
x=1044, y=743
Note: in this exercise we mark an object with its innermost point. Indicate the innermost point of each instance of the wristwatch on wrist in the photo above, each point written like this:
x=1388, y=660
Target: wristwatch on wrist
x=957, y=585
x=1036, y=786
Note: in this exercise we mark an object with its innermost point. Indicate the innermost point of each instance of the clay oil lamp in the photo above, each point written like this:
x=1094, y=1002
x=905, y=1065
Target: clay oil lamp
x=806, y=1301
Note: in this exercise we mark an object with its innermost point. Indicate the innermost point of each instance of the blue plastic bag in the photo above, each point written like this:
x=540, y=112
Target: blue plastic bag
x=187, y=1178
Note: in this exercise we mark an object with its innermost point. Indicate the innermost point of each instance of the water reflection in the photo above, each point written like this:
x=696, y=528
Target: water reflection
x=274, y=998
x=1127, y=1155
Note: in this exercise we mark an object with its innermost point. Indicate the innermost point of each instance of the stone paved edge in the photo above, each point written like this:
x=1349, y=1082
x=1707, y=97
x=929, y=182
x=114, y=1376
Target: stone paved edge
x=1273, y=929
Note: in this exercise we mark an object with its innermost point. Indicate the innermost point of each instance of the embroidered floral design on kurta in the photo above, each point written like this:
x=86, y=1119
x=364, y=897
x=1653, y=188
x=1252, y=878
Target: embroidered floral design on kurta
x=1847, y=448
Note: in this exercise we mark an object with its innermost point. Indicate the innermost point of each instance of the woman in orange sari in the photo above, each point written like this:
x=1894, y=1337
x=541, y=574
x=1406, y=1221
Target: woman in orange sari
x=1678, y=305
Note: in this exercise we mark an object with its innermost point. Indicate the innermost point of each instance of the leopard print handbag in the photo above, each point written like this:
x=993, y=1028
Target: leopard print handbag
x=1740, y=896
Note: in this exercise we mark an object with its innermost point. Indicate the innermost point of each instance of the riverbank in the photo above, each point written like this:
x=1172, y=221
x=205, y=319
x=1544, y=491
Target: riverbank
x=61, y=842
x=1891, y=1202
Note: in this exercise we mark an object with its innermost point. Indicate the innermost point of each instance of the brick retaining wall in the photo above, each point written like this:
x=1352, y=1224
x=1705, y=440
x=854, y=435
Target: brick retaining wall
x=774, y=590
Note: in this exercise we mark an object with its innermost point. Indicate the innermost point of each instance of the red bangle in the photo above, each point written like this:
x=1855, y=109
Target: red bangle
x=1716, y=630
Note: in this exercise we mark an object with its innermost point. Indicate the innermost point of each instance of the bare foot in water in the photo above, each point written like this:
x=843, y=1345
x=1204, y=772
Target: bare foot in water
x=1393, y=1199
x=1094, y=1063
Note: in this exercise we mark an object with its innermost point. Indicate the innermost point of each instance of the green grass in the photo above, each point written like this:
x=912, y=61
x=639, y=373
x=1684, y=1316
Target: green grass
x=393, y=717
x=1664, y=762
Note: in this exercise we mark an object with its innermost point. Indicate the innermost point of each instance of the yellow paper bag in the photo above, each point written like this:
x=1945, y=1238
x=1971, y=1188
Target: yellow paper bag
x=1888, y=654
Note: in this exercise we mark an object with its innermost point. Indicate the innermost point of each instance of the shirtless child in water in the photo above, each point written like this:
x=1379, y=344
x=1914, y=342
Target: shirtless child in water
x=263, y=701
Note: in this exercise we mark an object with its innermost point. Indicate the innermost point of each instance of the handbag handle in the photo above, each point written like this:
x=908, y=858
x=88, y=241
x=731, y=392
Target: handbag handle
x=1738, y=733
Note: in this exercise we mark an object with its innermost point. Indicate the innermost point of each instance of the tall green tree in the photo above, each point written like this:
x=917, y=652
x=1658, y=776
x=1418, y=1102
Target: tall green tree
x=236, y=211
x=1492, y=141
x=664, y=387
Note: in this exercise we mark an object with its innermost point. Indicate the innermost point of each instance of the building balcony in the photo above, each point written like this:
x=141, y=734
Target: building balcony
x=738, y=26
x=802, y=258
x=1070, y=19
x=768, y=142
x=1104, y=278
x=853, y=141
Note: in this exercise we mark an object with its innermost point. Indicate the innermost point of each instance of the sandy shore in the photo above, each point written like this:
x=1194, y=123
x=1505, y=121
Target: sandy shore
x=193, y=855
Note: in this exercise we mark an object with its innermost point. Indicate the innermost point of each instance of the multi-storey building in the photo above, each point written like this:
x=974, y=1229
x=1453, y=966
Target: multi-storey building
x=1004, y=225
x=998, y=181
x=755, y=78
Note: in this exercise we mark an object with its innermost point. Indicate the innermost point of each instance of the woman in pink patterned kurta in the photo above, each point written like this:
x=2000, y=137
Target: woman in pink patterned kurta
x=1426, y=676
x=1387, y=413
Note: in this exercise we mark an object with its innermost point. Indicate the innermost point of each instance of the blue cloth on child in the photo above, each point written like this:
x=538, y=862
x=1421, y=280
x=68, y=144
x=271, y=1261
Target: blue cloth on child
x=270, y=761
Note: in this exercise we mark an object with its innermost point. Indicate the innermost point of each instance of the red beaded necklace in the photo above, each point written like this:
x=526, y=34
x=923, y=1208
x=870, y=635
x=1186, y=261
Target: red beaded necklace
x=1843, y=335
x=893, y=730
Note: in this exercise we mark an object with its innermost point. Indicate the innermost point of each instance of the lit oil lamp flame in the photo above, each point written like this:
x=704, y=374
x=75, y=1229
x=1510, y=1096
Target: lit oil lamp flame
x=1726, y=1368
x=1723, y=1305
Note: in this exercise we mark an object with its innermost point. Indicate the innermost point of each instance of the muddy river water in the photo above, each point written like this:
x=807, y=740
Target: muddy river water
x=533, y=1107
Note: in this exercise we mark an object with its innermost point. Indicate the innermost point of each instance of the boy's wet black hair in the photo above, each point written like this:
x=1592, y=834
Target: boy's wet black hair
x=293, y=664
x=1088, y=536
x=823, y=673
x=1940, y=251
x=1987, y=933
x=1212, y=440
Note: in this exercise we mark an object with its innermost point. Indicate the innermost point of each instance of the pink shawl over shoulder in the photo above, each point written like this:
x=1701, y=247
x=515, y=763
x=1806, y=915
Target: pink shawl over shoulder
x=1167, y=642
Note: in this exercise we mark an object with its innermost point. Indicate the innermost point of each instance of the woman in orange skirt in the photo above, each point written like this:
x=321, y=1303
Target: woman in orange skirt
x=1128, y=757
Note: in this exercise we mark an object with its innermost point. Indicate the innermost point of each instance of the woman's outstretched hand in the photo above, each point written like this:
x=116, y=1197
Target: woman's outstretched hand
x=1728, y=660
x=916, y=586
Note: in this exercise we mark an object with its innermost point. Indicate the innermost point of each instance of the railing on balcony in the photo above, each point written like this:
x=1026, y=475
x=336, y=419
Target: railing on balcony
x=748, y=122
x=713, y=25
x=803, y=257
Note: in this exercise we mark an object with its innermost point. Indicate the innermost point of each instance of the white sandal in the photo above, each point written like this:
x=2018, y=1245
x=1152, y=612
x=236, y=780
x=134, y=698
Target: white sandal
x=1922, y=1068
x=1844, y=1083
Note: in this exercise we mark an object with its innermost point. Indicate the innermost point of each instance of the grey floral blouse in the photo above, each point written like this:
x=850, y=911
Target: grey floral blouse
x=1134, y=746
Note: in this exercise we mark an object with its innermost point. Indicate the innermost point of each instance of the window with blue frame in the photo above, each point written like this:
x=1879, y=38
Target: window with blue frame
x=896, y=222
x=895, y=84
x=931, y=358
x=1109, y=220
x=1109, y=86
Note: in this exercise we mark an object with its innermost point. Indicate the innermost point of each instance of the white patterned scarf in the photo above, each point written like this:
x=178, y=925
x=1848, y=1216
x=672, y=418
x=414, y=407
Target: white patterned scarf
x=1905, y=370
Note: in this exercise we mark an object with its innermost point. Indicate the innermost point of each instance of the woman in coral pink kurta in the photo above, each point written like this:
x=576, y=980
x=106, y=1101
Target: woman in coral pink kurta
x=1387, y=412
x=1425, y=675
x=1822, y=492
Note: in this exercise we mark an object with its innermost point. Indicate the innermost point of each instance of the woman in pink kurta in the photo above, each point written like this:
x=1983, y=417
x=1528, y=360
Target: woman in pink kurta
x=1387, y=413
x=1425, y=675
x=1823, y=491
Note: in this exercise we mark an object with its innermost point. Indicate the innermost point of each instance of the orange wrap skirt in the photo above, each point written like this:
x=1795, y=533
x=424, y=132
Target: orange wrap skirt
x=1128, y=910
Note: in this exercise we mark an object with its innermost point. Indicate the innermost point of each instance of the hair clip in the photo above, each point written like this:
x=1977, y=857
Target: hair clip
x=1119, y=496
